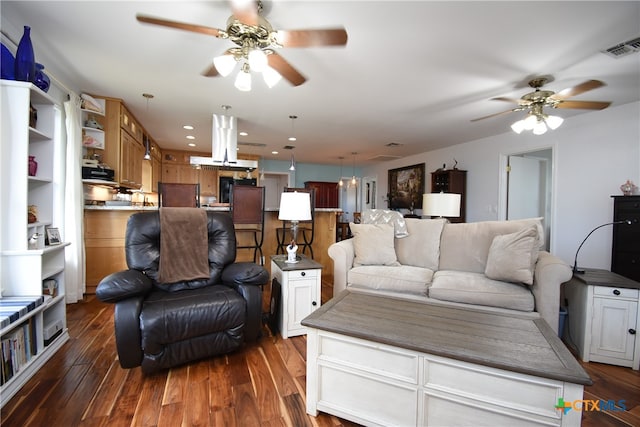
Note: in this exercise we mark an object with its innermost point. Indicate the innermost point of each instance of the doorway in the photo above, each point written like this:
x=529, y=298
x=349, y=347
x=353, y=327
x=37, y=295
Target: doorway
x=527, y=188
x=274, y=184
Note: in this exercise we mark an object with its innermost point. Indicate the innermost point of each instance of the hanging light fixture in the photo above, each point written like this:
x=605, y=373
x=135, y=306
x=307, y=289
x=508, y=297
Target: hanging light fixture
x=147, y=147
x=292, y=167
x=293, y=135
x=354, y=181
x=537, y=121
x=341, y=183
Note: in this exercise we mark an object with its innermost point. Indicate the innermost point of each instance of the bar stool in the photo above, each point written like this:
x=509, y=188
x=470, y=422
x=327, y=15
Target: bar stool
x=173, y=194
x=247, y=210
x=306, y=228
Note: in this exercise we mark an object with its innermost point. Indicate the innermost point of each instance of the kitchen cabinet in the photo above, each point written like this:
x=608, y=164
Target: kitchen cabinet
x=27, y=263
x=326, y=193
x=604, y=317
x=156, y=166
x=625, y=250
x=208, y=181
x=123, y=150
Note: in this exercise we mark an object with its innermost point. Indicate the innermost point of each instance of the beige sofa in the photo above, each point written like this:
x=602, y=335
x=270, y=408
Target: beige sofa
x=492, y=265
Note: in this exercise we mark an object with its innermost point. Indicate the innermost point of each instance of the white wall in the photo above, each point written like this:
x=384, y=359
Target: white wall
x=594, y=153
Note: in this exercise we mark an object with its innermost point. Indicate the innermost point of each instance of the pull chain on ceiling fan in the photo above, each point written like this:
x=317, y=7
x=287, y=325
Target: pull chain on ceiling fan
x=256, y=42
x=534, y=102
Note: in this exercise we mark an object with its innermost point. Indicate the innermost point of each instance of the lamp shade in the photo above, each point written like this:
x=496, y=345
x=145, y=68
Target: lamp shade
x=295, y=206
x=441, y=204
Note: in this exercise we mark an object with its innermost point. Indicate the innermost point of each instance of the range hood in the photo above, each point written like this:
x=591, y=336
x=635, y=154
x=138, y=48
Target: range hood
x=238, y=165
x=224, y=145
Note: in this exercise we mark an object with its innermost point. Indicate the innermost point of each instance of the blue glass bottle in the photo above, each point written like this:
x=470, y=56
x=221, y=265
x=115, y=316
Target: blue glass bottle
x=25, y=65
x=41, y=79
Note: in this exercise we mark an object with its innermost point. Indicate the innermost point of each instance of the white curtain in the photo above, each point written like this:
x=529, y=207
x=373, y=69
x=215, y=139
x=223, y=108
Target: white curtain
x=74, y=215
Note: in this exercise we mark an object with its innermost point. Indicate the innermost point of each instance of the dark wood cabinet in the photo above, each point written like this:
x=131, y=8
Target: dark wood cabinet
x=452, y=181
x=326, y=193
x=625, y=249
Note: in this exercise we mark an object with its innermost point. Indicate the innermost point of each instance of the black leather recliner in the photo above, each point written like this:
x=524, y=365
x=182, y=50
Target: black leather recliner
x=157, y=325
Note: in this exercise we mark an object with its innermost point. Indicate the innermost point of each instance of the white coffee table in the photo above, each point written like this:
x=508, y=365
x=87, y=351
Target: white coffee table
x=382, y=361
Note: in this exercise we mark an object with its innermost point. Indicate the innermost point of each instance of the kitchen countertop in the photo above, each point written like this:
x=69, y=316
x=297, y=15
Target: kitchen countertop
x=209, y=208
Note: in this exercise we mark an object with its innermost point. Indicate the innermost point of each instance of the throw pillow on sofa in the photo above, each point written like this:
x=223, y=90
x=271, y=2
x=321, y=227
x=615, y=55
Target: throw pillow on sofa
x=512, y=257
x=373, y=244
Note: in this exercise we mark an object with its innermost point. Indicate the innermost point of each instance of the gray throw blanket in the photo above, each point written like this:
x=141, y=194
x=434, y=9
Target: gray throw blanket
x=184, y=246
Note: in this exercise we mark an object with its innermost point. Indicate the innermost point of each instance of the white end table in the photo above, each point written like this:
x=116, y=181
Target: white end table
x=604, y=317
x=299, y=290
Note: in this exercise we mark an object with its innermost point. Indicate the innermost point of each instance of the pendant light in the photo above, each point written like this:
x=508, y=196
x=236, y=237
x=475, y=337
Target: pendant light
x=147, y=146
x=354, y=181
x=293, y=134
x=341, y=183
x=293, y=163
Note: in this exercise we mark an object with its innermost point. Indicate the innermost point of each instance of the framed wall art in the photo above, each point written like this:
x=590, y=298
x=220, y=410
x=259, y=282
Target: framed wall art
x=406, y=187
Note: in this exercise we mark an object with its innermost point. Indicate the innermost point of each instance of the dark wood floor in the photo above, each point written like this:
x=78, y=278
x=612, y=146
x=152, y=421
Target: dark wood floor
x=261, y=385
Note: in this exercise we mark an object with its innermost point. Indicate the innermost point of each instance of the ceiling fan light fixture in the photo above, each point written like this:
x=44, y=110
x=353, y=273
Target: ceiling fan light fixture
x=530, y=121
x=518, y=126
x=243, y=80
x=271, y=77
x=257, y=60
x=554, y=122
x=539, y=128
x=224, y=64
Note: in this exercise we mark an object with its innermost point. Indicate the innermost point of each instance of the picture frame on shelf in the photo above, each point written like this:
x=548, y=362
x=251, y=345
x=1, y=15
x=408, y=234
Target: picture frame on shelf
x=53, y=236
x=406, y=187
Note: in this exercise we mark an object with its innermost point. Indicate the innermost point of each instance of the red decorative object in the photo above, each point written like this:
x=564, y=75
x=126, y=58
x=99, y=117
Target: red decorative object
x=33, y=166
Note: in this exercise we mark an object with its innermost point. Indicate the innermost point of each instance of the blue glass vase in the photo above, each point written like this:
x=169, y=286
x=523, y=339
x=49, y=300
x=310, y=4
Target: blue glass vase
x=41, y=79
x=7, y=64
x=25, y=65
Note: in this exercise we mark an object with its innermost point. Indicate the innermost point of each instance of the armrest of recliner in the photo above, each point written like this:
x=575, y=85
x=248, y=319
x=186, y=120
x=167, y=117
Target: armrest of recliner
x=247, y=278
x=244, y=273
x=122, y=285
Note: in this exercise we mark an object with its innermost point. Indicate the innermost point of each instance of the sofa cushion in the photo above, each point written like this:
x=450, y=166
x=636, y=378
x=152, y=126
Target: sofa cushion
x=465, y=246
x=512, y=257
x=404, y=279
x=421, y=248
x=476, y=288
x=373, y=244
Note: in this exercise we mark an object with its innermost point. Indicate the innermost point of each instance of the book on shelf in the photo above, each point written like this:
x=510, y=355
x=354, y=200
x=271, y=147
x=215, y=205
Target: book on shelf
x=18, y=347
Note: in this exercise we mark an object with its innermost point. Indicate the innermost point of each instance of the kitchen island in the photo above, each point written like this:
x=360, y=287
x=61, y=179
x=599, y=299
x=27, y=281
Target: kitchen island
x=105, y=227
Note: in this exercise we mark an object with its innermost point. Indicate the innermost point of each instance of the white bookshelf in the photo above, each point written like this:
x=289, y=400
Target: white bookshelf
x=24, y=267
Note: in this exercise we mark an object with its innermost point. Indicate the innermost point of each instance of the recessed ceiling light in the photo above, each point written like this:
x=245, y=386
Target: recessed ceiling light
x=187, y=127
x=191, y=144
x=191, y=137
x=244, y=134
x=274, y=152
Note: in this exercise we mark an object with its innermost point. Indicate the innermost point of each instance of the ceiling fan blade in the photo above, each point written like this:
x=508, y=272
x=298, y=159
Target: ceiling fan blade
x=210, y=71
x=584, y=105
x=245, y=12
x=577, y=90
x=496, y=114
x=179, y=25
x=504, y=98
x=306, y=38
x=285, y=69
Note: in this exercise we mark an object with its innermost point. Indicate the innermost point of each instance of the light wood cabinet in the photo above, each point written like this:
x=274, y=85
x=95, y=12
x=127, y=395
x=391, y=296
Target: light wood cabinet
x=104, y=232
x=123, y=144
x=208, y=181
x=25, y=265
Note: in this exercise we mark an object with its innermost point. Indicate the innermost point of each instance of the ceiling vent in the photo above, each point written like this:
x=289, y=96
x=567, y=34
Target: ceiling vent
x=623, y=49
x=393, y=144
x=383, y=158
x=252, y=144
x=288, y=147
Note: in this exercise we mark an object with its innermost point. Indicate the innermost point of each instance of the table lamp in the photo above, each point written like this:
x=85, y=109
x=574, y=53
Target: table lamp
x=441, y=204
x=294, y=207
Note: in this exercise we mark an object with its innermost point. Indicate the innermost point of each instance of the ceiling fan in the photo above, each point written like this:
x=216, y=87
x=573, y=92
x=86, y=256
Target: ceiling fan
x=255, y=37
x=535, y=101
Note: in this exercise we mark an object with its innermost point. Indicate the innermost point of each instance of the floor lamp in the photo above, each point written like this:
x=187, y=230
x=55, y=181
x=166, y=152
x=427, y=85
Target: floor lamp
x=294, y=207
